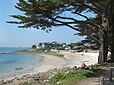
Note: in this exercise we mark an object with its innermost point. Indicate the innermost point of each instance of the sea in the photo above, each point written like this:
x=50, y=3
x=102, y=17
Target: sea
x=11, y=62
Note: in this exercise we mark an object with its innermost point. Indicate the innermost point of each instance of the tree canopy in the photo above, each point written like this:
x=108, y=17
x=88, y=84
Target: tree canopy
x=45, y=14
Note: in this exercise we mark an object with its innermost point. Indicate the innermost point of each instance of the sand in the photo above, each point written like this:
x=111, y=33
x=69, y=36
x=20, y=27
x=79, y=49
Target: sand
x=69, y=60
x=51, y=62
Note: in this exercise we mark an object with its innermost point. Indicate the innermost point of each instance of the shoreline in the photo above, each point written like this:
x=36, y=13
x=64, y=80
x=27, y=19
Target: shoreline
x=51, y=62
x=21, y=71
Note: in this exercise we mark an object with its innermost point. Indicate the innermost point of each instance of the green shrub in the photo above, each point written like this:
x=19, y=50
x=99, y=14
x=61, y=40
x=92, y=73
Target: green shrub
x=57, y=77
x=61, y=77
x=26, y=83
x=56, y=54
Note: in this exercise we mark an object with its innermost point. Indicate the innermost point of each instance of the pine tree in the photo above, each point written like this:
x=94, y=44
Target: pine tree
x=45, y=14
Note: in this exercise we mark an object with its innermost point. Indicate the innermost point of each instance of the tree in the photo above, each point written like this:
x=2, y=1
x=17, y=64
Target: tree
x=94, y=42
x=34, y=46
x=44, y=14
x=40, y=44
x=90, y=43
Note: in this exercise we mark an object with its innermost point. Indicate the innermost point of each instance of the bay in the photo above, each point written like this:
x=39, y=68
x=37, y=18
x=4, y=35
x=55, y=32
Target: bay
x=9, y=62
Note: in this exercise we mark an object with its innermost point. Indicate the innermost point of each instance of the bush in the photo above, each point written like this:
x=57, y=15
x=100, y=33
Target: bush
x=26, y=83
x=61, y=78
x=34, y=46
x=57, y=77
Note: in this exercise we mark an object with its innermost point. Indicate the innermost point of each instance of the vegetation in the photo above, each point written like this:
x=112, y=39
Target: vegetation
x=34, y=46
x=68, y=78
x=99, y=28
x=50, y=45
x=26, y=83
x=56, y=54
x=47, y=46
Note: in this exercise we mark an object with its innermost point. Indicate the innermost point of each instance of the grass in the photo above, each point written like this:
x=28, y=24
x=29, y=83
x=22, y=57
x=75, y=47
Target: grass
x=50, y=53
x=26, y=83
x=68, y=78
x=55, y=54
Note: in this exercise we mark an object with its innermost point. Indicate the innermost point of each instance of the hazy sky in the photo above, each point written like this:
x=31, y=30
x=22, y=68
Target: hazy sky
x=11, y=35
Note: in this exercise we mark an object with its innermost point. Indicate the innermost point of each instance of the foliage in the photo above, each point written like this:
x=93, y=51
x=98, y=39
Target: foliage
x=50, y=45
x=26, y=83
x=79, y=46
x=34, y=46
x=57, y=77
x=45, y=14
x=56, y=54
x=60, y=77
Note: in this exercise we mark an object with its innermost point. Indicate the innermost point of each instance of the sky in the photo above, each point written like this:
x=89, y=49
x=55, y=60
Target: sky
x=12, y=36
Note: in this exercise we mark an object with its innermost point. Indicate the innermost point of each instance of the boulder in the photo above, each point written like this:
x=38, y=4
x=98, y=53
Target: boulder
x=84, y=66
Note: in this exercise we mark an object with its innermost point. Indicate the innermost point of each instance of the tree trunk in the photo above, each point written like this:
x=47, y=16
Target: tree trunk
x=103, y=50
x=112, y=43
x=112, y=50
x=111, y=18
x=105, y=45
x=101, y=55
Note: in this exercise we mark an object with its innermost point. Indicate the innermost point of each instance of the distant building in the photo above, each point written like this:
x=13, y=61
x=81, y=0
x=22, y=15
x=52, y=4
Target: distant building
x=41, y=46
x=67, y=48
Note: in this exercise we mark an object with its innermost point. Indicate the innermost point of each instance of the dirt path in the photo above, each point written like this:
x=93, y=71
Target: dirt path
x=89, y=81
x=96, y=80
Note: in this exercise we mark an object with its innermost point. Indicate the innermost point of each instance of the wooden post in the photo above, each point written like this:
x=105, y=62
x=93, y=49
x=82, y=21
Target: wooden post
x=102, y=80
x=110, y=75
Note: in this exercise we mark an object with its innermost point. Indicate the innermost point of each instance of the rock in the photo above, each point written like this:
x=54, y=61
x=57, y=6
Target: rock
x=45, y=81
x=83, y=66
x=18, y=69
x=91, y=67
x=66, y=69
x=82, y=54
x=37, y=78
x=4, y=82
x=17, y=78
x=96, y=65
x=1, y=82
x=9, y=81
x=75, y=68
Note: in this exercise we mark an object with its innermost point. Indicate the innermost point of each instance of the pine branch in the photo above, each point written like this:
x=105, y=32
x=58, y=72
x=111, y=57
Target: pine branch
x=93, y=9
x=97, y=5
x=88, y=20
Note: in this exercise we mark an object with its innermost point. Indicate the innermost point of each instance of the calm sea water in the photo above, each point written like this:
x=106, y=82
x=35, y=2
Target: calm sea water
x=11, y=49
x=9, y=62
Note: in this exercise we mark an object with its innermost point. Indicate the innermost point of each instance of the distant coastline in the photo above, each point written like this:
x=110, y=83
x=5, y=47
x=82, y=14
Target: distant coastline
x=6, y=50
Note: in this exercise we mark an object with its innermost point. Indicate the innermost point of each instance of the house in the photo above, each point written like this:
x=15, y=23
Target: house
x=67, y=48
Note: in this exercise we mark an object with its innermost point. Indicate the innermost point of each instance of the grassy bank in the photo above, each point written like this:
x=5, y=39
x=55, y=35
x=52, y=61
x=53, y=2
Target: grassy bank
x=65, y=78
x=68, y=78
x=26, y=83
x=55, y=54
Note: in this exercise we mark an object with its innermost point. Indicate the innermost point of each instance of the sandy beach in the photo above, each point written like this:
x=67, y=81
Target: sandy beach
x=51, y=62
